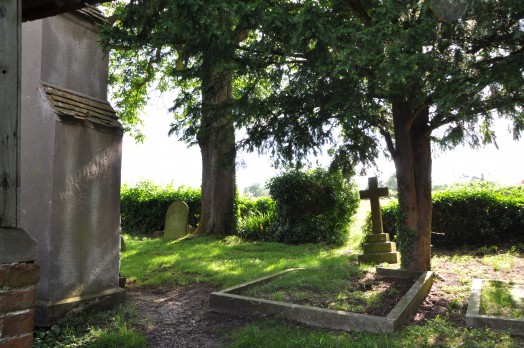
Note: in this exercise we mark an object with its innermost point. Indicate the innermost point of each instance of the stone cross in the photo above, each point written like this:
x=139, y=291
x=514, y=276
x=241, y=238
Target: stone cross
x=177, y=217
x=373, y=193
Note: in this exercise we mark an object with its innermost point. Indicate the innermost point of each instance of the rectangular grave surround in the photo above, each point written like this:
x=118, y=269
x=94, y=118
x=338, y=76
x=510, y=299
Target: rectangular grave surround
x=228, y=301
x=476, y=320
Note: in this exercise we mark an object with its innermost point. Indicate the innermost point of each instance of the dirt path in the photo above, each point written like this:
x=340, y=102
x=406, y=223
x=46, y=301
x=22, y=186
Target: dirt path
x=180, y=318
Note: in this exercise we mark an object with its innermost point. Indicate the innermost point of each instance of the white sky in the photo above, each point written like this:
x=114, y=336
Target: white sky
x=164, y=159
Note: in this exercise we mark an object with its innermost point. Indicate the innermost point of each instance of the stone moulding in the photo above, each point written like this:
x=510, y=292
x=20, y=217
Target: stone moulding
x=230, y=302
x=49, y=312
x=476, y=320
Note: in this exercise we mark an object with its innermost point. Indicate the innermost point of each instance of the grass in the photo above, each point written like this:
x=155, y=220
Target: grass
x=94, y=330
x=437, y=333
x=348, y=288
x=496, y=299
x=231, y=261
x=465, y=265
x=224, y=262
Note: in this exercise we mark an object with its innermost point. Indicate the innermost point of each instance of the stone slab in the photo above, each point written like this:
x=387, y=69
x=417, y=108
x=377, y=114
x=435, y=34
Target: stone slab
x=476, y=320
x=49, y=312
x=376, y=238
x=383, y=272
x=16, y=246
x=517, y=294
x=226, y=301
x=383, y=247
x=391, y=257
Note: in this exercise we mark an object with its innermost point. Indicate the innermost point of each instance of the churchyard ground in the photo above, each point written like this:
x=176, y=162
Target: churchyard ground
x=169, y=283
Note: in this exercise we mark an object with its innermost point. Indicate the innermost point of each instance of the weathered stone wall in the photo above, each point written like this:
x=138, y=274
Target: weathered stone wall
x=17, y=299
x=70, y=166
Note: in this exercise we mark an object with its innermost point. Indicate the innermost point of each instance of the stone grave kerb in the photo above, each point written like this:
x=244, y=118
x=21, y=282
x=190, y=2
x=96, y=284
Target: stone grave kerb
x=373, y=193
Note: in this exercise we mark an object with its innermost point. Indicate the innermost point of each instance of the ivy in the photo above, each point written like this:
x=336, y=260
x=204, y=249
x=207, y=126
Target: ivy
x=404, y=238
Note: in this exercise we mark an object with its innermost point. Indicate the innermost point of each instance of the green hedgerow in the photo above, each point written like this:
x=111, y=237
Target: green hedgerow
x=472, y=214
x=143, y=207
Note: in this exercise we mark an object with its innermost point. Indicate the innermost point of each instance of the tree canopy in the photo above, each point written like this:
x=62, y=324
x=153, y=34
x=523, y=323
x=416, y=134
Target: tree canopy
x=359, y=57
x=362, y=76
x=395, y=76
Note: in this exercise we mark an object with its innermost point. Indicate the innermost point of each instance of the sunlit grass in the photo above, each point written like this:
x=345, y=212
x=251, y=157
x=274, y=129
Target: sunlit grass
x=230, y=261
x=497, y=300
x=224, y=262
x=437, y=333
x=499, y=262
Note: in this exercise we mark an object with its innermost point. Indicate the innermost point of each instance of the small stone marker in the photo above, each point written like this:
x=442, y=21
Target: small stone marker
x=377, y=247
x=176, y=220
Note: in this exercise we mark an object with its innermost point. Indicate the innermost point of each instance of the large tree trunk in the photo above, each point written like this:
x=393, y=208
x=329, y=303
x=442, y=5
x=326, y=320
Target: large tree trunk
x=216, y=138
x=413, y=164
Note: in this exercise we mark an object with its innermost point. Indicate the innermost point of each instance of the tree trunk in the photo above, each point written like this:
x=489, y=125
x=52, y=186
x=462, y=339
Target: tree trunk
x=216, y=138
x=413, y=165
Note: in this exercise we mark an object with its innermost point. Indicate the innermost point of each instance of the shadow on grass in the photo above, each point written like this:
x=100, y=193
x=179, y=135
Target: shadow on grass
x=220, y=261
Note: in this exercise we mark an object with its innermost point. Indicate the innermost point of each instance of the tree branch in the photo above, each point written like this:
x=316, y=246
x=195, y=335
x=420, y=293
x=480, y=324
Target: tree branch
x=389, y=142
x=356, y=5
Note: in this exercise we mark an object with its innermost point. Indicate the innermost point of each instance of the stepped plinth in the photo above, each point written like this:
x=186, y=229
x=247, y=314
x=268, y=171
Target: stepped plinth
x=377, y=247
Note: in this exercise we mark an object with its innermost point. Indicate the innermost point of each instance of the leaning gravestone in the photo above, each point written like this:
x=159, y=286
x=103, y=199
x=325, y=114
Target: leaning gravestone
x=377, y=247
x=177, y=217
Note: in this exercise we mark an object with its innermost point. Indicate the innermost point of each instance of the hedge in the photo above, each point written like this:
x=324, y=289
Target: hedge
x=143, y=206
x=472, y=214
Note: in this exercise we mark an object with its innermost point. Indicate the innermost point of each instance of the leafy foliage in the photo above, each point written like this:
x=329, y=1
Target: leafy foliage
x=354, y=62
x=313, y=206
x=256, y=226
x=474, y=214
x=346, y=73
x=255, y=218
x=94, y=330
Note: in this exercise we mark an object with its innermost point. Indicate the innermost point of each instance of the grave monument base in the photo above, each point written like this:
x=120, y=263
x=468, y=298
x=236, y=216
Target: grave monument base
x=48, y=312
x=378, y=249
x=376, y=258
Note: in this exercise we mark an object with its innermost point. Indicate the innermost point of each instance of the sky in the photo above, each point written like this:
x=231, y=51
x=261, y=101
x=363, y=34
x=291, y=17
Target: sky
x=163, y=159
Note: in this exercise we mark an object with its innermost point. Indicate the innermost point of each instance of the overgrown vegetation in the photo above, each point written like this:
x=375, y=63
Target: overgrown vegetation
x=471, y=214
x=312, y=206
x=95, y=330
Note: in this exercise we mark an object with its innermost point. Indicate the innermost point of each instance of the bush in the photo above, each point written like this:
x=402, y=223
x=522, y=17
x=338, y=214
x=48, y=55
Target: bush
x=143, y=207
x=473, y=214
x=312, y=207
